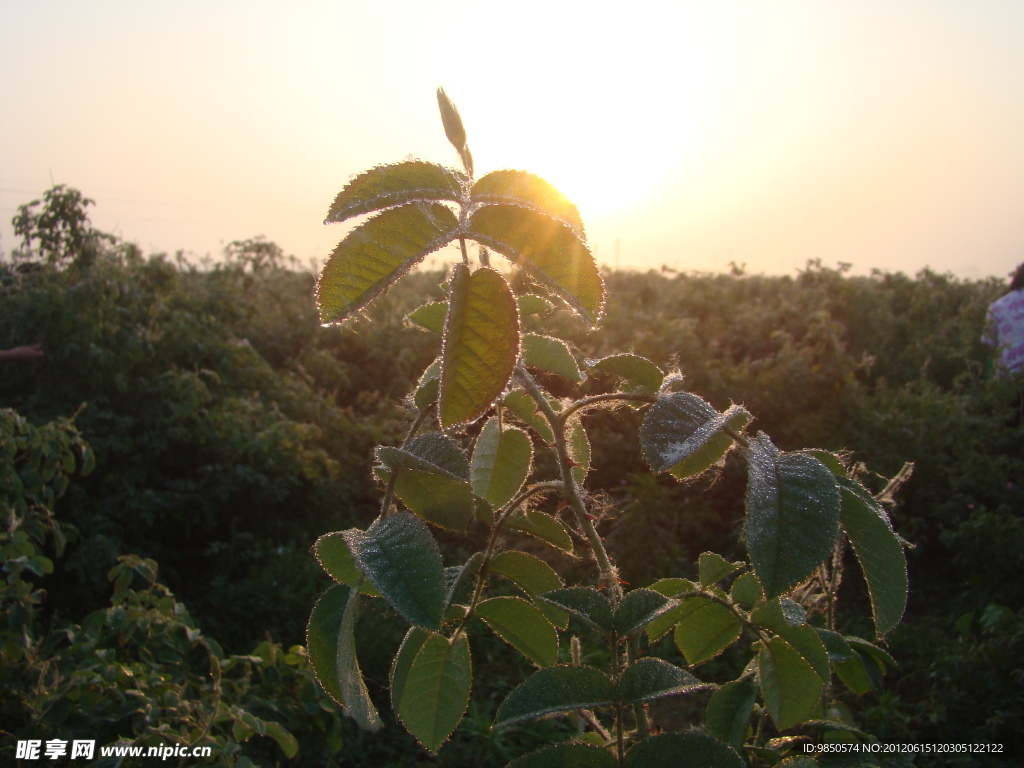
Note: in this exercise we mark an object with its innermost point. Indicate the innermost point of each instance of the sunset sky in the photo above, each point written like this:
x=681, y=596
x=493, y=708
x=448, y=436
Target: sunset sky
x=888, y=134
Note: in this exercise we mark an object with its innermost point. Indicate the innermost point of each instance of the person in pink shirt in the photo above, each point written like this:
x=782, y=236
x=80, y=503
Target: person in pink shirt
x=1005, y=330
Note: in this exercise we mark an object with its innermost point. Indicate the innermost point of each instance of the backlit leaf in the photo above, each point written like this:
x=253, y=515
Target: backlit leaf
x=429, y=317
x=533, y=576
x=550, y=354
x=523, y=626
x=792, y=516
x=378, y=253
x=729, y=711
x=322, y=638
x=389, y=185
x=713, y=568
x=522, y=405
x=334, y=556
x=555, y=690
x=586, y=603
x=532, y=304
x=548, y=250
x=879, y=552
x=501, y=462
x=705, y=629
x=579, y=449
x=481, y=344
x=543, y=526
x=649, y=679
x=672, y=750
x=438, y=499
x=683, y=434
x=790, y=686
x=435, y=689
x=401, y=558
x=524, y=189
x=639, y=608
x=637, y=369
x=350, y=678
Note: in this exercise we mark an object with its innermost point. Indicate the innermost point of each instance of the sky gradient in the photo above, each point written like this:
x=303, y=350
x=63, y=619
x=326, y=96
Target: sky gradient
x=887, y=134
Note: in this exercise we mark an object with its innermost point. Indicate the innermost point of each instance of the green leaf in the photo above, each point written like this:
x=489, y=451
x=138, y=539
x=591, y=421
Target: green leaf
x=746, y=590
x=438, y=499
x=456, y=577
x=322, y=638
x=878, y=654
x=673, y=587
x=522, y=626
x=379, y=252
x=790, y=686
x=434, y=689
x=809, y=646
x=453, y=128
x=434, y=453
x=334, y=556
x=683, y=434
x=522, y=405
x=835, y=645
x=526, y=190
x=550, y=354
x=532, y=304
x=501, y=462
x=571, y=754
x=429, y=317
x=649, y=679
x=548, y=250
x=792, y=515
x=705, y=629
x=729, y=711
x=555, y=690
x=586, y=603
x=779, y=614
x=481, y=344
x=543, y=526
x=386, y=186
x=637, y=369
x=350, y=678
x=402, y=663
x=428, y=385
x=579, y=450
x=401, y=558
x=533, y=576
x=638, y=609
x=713, y=568
x=672, y=750
x=879, y=552
x=285, y=740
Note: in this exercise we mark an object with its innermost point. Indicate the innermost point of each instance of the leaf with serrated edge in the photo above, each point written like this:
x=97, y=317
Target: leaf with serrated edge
x=399, y=555
x=729, y=711
x=792, y=518
x=705, y=629
x=548, y=250
x=350, y=678
x=532, y=304
x=879, y=553
x=579, y=449
x=522, y=405
x=550, y=354
x=526, y=190
x=322, y=638
x=523, y=626
x=438, y=499
x=555, y=690
x=501, y=462
x=435, y=690
x=402, y=663
x=481, y=344
x=429, y=317
x=544, y=527
x=387, y=186
x=637, y=369
x=671, y=750
x=377, y=253
x=533, y=576
x=586, y=603
x=334, y=556
x=713, y=568
x=649, y=679
x=567, y=755
x=639, y=608
x=790, y=686
x=683, y=434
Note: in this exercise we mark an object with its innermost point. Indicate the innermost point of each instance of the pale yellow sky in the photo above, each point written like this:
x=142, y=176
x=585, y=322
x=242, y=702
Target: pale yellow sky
x=885, y=133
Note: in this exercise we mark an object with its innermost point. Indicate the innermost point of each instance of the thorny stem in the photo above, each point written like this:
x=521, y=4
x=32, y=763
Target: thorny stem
x=586, y=402
x=569, y=490
x=481, y=577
